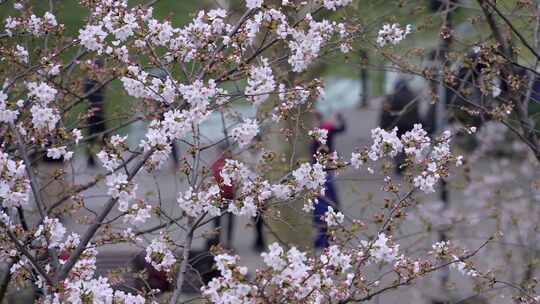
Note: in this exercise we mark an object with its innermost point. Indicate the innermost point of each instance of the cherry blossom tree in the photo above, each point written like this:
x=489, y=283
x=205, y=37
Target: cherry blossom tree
x=208, y=66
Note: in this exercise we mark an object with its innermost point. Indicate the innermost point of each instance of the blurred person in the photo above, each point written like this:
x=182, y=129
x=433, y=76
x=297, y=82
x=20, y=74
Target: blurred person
x=535, y=91
x=334, y=126
x=470, y=80
x=95, y=93
x=364, y=79
x=460, y=96
x=439, y=5
x=162, y=75
x=259, y=244
x=227, y=193
x=145, y=277
x=153, y=278
x=400, y=110
x=51, y=174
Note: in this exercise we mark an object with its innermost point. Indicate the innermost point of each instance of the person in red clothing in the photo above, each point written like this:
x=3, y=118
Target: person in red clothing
x=334, y=125
x=227, y=193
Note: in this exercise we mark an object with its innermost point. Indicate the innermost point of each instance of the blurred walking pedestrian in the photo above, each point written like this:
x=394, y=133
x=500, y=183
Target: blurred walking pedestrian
x=95, y=93
x=259, y=244
x=227, y=193
x=400, y=110
x=334, y=126
x=162, y=75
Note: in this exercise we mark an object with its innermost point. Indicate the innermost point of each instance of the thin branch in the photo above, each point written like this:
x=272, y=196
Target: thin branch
x=512, y=27
x=27, y=254
x=28, y=166
x=89, y=234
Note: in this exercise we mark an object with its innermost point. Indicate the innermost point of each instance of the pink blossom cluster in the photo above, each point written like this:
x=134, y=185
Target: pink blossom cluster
x=14, y=182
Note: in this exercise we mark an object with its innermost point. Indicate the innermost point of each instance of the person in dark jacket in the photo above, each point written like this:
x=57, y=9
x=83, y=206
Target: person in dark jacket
x=95, y=93
x=334, y=126
x=400, y=110
x=153, y=278
x=162, y=75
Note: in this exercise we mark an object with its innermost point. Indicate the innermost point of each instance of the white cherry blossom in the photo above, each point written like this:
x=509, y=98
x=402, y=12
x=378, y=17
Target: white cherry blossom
x=392, y=34
x=245, y=132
